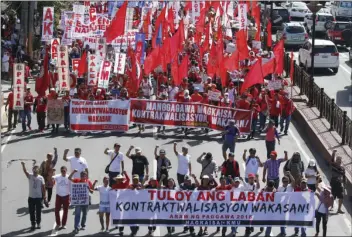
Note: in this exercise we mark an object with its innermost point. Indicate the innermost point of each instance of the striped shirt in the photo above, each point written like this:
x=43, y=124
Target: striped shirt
x=272, y=167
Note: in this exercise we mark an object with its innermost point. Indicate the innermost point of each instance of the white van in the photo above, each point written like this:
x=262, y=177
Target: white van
x=342, y=10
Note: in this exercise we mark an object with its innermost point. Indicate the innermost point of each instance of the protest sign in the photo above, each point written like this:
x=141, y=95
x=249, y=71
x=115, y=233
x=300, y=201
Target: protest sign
x=79, y=11
x=90, y=41
x=63, y=68
x=48, y=23
x=214, y=95
x=211, y=208
x=140, y=47
x=80, y=30
x=79, y=194
x=274, y=85
x=66, y=38
x=196, y=8
x=122, y=42
x=18, y=86
x=103, y=115
x=53, y=48
x=92, y=69
x=104, y=74
x=75, y=64
x=98, y=27
x=242, y=16
x=55, y=112
x=120, y=63
x=92, y=14
x=194, y=115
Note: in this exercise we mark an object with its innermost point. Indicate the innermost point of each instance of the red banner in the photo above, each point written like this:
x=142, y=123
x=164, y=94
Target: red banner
x=193, y=115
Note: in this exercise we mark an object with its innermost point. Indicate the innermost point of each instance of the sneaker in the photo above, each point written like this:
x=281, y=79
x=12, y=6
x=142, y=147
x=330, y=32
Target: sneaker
x=121, y=233
x=102, y=229
x=200, y=233
x=33, y=227
x=261, y=229
x=76, y=231
x=185, y=230
x=83, y=228
x=63, y=227
x=57, y=227
x=172, y=229
x=29, y=128
x=107, y=230
x=38, y=226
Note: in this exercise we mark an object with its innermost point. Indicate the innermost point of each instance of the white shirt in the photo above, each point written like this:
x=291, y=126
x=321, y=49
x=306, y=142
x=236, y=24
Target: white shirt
x=250, y=187
x=322, y=208
x=172, y=93
x=79, y=164
x=183, y=164
x=252, y=166
x=239, y=188
x=146, y=87
x=116, y=164
x=287, y=189
x=104, y=196
x=311, y=180
x=62, y=185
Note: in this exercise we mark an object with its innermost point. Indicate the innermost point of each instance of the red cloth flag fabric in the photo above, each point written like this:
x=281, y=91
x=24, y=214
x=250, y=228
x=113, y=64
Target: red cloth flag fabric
x=183, y=68
x=146, y=23
x=256, y=15
x=160, y=21
x=269, y=67
x=279, y=51
x=182, y=37
x=188, y=6
x=270, y=38
x=241, y=45
x=213, y=62
x=170, y=19
x=151, y=62
x=174, y=43
x=231, y=62
x=292, y=67
x=117, y=26
x=174, y=73
x=42, y=82
x=254, y=76
x=83, y=66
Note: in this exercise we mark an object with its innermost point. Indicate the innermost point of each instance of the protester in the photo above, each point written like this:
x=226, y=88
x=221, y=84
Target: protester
x=252, y=162
x=62, y=197
x=326, y=200
x=163, y=164
x=12, y=113
x=231, y=133
x=104, y=203
x=40, y=107
x=296, y=166
x=230, y=167
x=271, y=134
x=286, y=112
x=184, y=163
x=338, y=179
x=80, y=224
x=209, y=166
x=140, y=164
x=271, y=167
x=171, y=185
x=116, y=165
x=302, y=188
x=26, y=112
x=312, y=175
x=77, y=162
x=36, y=194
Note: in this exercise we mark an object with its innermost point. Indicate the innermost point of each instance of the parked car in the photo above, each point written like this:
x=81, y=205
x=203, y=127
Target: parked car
x=326, y=55
x=293, y=33
x=297, y=10
x=340, y=33
x=322, y=22
x=280, y=15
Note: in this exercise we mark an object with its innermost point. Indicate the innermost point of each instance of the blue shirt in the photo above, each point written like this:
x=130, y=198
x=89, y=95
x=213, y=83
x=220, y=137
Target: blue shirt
x=232, y=132
x=273, y=167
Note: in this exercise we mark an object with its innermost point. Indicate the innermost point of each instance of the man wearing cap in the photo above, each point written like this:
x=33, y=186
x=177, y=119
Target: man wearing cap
x=302, y=188
x=252, y=162
x=209, y=166
x=77, y=162
x=231, y=133
x=40, y=107
x=163, y=164
x=26, y=112
x=139, y=163
x=196, y=97
x=230, y=168
x=12, y=112
x=184, y=163
x=116, y=165
x=272, y=166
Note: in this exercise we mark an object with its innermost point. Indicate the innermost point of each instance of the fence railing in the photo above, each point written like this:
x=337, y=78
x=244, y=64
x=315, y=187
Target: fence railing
x=338, y=119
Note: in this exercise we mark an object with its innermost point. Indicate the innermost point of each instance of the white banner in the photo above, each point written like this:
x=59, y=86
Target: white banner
x=79, y=194
x=63, y=68
x=80, y=30
x=242, y=16
x=100, y=52
x=196, y=8
x=122, y=42
x=48, y=23
x=68, y=27
x=120, y=63
x=101, y=115
x=79, y=12
x=104, y=74
x=92, y=69
x=211, y=208
x=53, y=48
x=18, y=86
x=98, y=27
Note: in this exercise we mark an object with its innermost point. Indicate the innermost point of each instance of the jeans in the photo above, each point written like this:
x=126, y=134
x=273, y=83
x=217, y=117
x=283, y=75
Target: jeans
x=67, y=117
x=319, y=216
x=254, y=125
x=287, y=121
x=78, y=210
x=303, y=231
x=262, y=120
x=64, y=202
x=41, y=120
x=276, y=120
x=112, y=175
x=276, y=182
x=270, y=146
x=35, y=210
x=180, y=178
x=12, y=113
x=228, y=145
x=26, y=114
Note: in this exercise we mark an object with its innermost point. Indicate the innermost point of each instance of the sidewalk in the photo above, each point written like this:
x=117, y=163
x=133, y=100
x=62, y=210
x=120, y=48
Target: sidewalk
x=5, y=90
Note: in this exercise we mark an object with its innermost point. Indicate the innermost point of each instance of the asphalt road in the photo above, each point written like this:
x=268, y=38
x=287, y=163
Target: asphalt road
x=14, y=212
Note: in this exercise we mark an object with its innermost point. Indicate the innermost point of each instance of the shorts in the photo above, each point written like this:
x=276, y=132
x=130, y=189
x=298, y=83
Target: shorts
x=228, y=145
x=104, y=209
x=336, y=189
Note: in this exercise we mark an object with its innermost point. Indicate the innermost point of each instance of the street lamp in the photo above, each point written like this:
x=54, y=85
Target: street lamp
x=314, y=7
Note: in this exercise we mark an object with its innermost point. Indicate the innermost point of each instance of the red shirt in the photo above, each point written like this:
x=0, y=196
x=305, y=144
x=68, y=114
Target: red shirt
x=41, y=103
x=242, y=104
x=29, y=99
x=125, y=184
x=205, y=100
x=78, y=180
x=10, y=100
x=99, y=97
x=274, y=111
x=27, y=73
x=196, y=97
x=226, y=187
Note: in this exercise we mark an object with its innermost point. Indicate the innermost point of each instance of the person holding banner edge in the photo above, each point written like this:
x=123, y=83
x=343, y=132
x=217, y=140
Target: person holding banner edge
x=184, y=164
x=104, y=204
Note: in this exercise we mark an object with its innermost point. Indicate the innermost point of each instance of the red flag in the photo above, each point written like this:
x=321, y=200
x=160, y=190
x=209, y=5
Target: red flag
x=174, y=73
x=83, y=66
x=268, y=68
x=159, y=22
x=241, y=45
x=183, y=69
x=270, y=38
x=170, y=18
x=188, y=6
x=164, y=56
x=279, y=51
x=213, y=62
x=256, y=15
x=117, y=26
x=42, y=82
x=151, y=62
x=231, y=63
x=146, y=23
x=174, y=42
x=292, y=67
x=182, y=38
x=254, y=76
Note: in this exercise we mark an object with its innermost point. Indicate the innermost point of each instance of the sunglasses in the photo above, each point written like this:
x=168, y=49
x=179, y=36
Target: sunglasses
x=285, y=181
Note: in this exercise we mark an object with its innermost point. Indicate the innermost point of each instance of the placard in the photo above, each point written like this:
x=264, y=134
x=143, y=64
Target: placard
x=92, y=69
x=66, y=38
x=75, y=64
x=101, y=115
x=120, y=63
x=104, y=74
x=53, y=48
x=256, y=44
x=48, y=23
x=79, y=194
x=195, y=10
x=214, y=96
x=274, y=85
x=242, y=16
x=18, y=86
x=55, y=112
x=63, y=68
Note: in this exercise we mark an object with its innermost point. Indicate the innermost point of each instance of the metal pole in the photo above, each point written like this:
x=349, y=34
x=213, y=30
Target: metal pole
x=344, y=118
x=313, y=39
x=31, y=28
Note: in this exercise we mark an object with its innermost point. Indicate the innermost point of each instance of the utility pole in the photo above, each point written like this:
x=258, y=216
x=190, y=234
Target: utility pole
x=24, y=24
x=31, y=27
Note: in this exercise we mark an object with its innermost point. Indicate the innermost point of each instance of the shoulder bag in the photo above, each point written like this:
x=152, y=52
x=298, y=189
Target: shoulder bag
x=108, y=166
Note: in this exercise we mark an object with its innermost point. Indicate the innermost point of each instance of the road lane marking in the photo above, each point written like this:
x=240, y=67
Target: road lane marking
x=345, y=69
x=7, y=140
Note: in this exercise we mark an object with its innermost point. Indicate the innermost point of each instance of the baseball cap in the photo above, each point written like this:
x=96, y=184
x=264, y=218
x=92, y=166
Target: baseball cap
x=138, y=149
x=237, y=179
x=208, y=155
x=251, y=175
x=304, y=180
x=205, y=177
x=119, y=176
x=231, y=154
x=162, y=151
x=274, y=153
x=136, y=176
x=312, y=163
